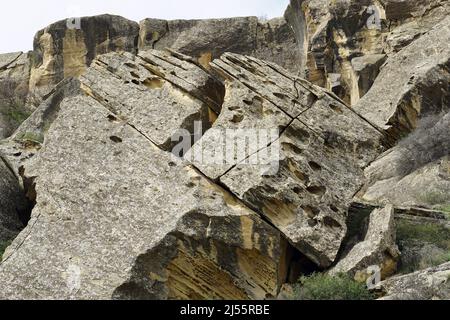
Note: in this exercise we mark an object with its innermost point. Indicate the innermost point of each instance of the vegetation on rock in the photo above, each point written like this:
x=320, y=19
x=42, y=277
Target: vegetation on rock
x=325, y=287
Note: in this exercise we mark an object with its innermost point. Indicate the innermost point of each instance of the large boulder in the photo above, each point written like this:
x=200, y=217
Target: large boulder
x=65, y=49
x=413, y=83
x=118, y=217
x=206, y=40
x=429, y=284
x=147, y=225
x=378, y=248
x=320, y=144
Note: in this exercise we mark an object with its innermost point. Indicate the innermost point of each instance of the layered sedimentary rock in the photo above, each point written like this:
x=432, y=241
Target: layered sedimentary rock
x=124, y=219
x=377, y=249
x=414, y=83
x=321, y=147
x=336, y=34
x=206, y=40
x=429, y=284
x=141, y=86
x=66, y=48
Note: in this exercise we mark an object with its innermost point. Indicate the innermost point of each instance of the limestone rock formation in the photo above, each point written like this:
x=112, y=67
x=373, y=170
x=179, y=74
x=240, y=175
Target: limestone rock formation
x=429, y=284
x=227, y=158
x=143, y=85
x=413, y=83
x=153, y=229
x=336, y=34
x=206, y=40
x=378, y=248
x=66, y=48
x=319, y=139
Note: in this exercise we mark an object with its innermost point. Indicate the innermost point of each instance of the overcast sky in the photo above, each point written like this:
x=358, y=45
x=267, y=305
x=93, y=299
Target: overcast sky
x=20, y=19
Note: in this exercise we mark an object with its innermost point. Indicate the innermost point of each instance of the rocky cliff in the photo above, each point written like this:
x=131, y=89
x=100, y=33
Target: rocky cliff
x=118, y=179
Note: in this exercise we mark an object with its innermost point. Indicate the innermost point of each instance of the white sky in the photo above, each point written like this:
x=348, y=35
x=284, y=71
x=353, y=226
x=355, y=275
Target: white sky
x=20, y=19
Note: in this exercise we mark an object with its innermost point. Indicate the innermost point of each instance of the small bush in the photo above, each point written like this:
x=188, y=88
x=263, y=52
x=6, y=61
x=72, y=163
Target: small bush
x=325, y=287
x=428, y=143
x=423, y=245
x=3, y=246
x=425, y=232
x=436, y=198
x=33, y=137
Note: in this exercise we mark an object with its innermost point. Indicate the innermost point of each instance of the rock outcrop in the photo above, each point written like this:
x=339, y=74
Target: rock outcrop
x=378, y=248
x=65, y=49
x=429, y=284
x=338, y=34
x=318, y=139
x=14, y=78
x=150, y=227
x=227, y=158
x=206, y=40
x=413, y=83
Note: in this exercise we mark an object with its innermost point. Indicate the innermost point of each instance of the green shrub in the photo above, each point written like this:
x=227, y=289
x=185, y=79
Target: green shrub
x=17, y=115
x=33, y=137
x=436, y=198
x=431, y=233
x=423, y=245
x=325, y=287
x=3, y=246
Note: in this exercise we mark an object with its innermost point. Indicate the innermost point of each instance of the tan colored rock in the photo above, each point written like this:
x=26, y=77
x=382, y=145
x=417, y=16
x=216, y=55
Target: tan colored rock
x=206, y=40
x=430, y=284
x=123, y=219
x=414, y=82
x=61, y=52
x=378, y=248
x=334, y=33
x=318, y=141
x=143, y=86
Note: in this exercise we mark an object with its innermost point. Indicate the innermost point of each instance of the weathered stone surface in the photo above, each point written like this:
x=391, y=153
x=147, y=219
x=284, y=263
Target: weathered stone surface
x=13, y=204
x=413, y=83
x=430, y=284
x=206, y=40
x=377, y=249
x=409, y=28
x=27, y=140
x=7, y=58
x=334, y=33
x=61, y=52
x=303, y=199
x=123, y=219
x=138, y=89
